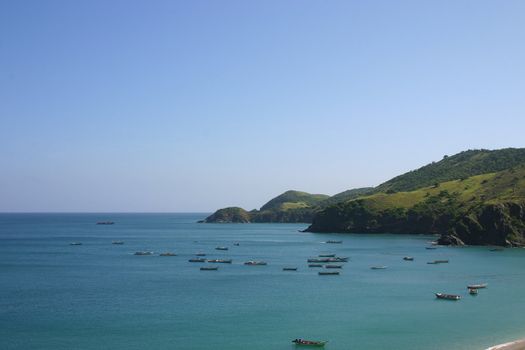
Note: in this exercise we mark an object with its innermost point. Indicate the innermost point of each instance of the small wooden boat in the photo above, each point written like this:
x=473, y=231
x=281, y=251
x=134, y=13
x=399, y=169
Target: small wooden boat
x=323, y=273
x=334, y=266
x=338, y=259
x=313, y=343
x=447, y=296
x=198, y=260
x=473, y=291
x=200, y=254
x=117, y=242
x=438, y=262
x=145, y=252
x=379, y=267
x=289, y=268
x=167, y=254
x=75, y=243
x=254, y=262
x=334, y=242
x=327, y=255
x=105, y=223
x=220, y=261
x=236, y=244
x=315, y=265
x=209, y=268
x=430, y=248
x=408, y=258
x=317, y=260
x=221, y=248
x=477, y=286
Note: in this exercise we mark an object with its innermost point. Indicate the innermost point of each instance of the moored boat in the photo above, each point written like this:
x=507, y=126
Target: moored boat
x=408, y=258
x=220, y=261
x=75, y=243
x=117, y=242
x=379, y=267
x=315, y=265
x=326, y=255
x=200, y=254
x=334, y=266
x=167, y=254
x=255, y=262
x=328, y=273
x=145, y=252
x=289, y=268
x=199, y=260
x=221, y=248
x=477, y=286
x=105, y=223
x=314, y=343
x=209, y=268
x=447, y=296
x=430, y=248
x=473, y=291
x=334, y=242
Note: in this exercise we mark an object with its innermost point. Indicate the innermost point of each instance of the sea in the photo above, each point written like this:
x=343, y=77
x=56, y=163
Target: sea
x=99, y=295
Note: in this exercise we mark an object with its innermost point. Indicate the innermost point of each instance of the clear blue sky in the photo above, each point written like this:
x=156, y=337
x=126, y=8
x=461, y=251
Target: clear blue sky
x=195, y=105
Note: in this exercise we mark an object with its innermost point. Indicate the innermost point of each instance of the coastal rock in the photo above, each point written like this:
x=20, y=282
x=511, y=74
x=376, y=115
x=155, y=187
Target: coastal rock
x=229, y=215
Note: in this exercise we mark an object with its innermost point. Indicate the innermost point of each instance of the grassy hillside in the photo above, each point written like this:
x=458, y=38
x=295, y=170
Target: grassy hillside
x=455, y=207
x=294, y=200
x=346, y=196
x=459, y=166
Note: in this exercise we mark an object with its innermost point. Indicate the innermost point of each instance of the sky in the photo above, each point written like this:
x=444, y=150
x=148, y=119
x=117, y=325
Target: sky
x=189, y=106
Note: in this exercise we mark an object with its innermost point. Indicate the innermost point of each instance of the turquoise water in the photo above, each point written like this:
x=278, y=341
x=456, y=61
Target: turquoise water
x=101, y=296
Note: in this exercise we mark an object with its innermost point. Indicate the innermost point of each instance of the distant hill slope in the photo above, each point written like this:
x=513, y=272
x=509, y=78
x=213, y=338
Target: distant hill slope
x=294, y=199
x=346, y=196
x=461, y=165
x=482, y=209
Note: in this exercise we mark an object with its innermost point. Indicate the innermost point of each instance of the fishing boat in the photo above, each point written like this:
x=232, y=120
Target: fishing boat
x=105, y=223
x=200, y=254
x=315, y=265
x=328, y=273
x=326, y=255
x=316, y=260
x=338, y=259
x=408, y=258
x=209, y=268
x=430, y=248
x=117, y=242
x=473, y=291
x=438, y=262
x=289, y=268
x=75, y=243
x=220, y=261
x=379, y=267
x=145, y=252
x=221, y=248
x=334, y=266
x=167, y=254
x=255, y=262
x=334, y=242
x=477, y=286
x=447, y=296
x=199, y=260
x=236, y=244
x=313, y=343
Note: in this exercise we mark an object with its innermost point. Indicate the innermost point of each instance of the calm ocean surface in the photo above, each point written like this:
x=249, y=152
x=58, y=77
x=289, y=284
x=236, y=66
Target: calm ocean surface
x=101, y=296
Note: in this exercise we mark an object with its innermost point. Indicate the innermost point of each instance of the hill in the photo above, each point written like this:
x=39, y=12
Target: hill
x=293, y=200
x=481, y=209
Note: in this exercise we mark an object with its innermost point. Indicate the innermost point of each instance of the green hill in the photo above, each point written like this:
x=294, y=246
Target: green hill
x=481, y=209
x=294, y=200
x=346, y=196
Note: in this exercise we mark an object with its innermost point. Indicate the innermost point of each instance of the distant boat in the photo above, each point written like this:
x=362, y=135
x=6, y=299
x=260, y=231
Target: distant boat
x=199, y=260
x=167, y=254
x=209, y=268
x=105, y=223
x=338, y=259
x=327, y=260
x=430, y=248
x=236, y=244
x=438, y=262
x=75, y=243
x=473, y=291
x=496, y=249
x=221, y=248
x=379, y=267
x=334, y=266
x=143, y=253
x=477, y=286
x=447, y=296
x=200, y=254
x=220, y=261
x=313, y=343
x=254, y=262
x=328, y=273
x=315, y=265
x=326, y=255
x=289, y=268
x=408, y=258
x=117, y=242
x=334, y=242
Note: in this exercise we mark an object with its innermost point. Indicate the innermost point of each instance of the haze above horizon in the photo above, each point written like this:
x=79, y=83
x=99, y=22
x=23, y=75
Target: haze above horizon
x=173, y=106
